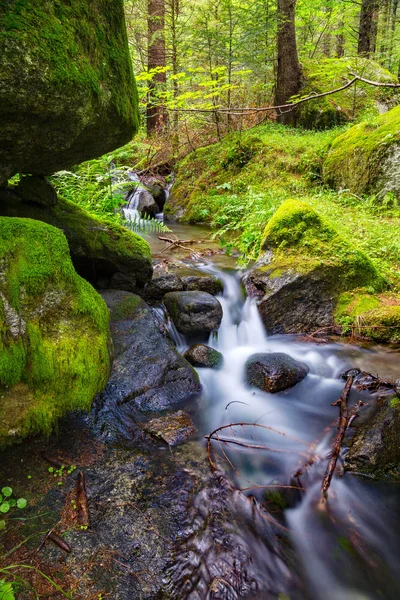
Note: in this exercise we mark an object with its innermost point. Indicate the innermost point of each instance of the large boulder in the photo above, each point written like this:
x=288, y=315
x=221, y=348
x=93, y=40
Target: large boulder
x=304, y=267
x=67, y=92
x=99, y=249
x=54, y=341
x=274, y=372
x=194, y=312
x=327, y=74
x=148, y=376
x=365, y=159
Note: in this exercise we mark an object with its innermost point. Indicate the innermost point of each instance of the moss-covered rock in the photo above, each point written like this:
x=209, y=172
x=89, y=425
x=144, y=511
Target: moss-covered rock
x=66, y=84
x=98, y=248
x=304, y=267
x=54, y=336
x=330, y=73
x=365, y=159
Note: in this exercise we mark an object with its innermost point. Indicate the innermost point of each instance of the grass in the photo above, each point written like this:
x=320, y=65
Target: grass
x=239, y=183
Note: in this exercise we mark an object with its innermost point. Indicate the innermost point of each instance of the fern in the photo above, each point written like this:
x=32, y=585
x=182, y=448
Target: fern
x=146, y=224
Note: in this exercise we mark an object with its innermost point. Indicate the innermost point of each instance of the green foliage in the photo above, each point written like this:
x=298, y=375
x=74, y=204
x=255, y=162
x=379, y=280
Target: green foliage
x=7, y=504
x=6, y=590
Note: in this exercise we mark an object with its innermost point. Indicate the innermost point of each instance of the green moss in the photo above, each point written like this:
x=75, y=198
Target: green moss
x=302, y=240
x=126, y=308
x=356, y=157
x=54, y=342
x=77, y=43
x=355, y=102
x=395, y=403
x=381, y=324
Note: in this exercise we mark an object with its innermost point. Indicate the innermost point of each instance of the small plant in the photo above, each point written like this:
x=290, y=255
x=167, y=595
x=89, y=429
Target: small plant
x=8, y=502
x=61, y=471
x=6, y=590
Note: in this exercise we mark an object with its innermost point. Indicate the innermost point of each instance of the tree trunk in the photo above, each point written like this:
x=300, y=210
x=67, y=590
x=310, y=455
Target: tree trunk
x=368, y=27
x=156, y=114
x=289, y=81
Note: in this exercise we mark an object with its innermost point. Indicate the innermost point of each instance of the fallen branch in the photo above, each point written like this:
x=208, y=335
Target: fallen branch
x=345, y=419
x=81, y=501
x=243, y=111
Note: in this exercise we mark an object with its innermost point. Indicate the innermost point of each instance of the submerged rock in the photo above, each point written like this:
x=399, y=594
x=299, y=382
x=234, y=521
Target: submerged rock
x=274, y=372
x=98, y=248
x=67, y=90
x=194, y=312
x=149, y=375
x=365, y=159
x=303, y=269
x=200, y=355
x=173, y=428
x=55, y=341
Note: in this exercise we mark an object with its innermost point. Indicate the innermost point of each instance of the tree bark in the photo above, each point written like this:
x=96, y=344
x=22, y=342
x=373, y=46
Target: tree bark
x=368, y=27
x=156, y=114
x=289, y=81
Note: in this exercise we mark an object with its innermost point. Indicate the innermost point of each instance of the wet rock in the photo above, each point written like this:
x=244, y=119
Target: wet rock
x=159, y=194
x=37, y=190
x=161, y=284
x=200, y=355
x=194, y=312
x=173, y=428
x=203, y=283
x=98, y=249
x=148, y=375
x=274, y=372
x=147, y=204
x=375, y=448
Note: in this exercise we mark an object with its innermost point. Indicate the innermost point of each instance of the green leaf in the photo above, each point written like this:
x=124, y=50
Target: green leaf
x=2, y=524
x=21, y=502
x=6, y=591
x=7, y=491
x=5, y=507
x=12, y=502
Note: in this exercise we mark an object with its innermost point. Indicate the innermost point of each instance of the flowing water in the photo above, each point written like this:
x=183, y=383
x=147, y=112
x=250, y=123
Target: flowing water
x=348, y=549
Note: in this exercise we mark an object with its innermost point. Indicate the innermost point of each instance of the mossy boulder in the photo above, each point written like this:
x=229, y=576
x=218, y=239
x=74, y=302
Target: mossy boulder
x=99, y=249
x=330, y=73
x=274, y=372
x=304, y=267
x=365, y=159
x=201, y=355
x=375, y=316
x=67, y=91
x=54, y=341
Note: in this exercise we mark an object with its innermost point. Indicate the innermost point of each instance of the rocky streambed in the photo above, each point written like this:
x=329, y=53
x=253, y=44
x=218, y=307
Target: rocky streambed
x=164, y=513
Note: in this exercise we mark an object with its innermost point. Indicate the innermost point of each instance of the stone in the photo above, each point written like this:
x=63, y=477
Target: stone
x=365, y=159
x=174, y=428
x=149, y=375
x=37, y=190
x=55, y=344
x=201, y=355
x=159, y=194
x=274, y=372
x=147, y=205
x=67, y=90
x=375, y=448
x=304, y=267
x=162, y=283
x=98, y=248
x=203, y=283
x=193, y=312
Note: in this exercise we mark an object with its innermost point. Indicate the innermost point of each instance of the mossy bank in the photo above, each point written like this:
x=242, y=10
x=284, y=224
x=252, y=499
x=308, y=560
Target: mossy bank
x=66, y=84
x=55, y=341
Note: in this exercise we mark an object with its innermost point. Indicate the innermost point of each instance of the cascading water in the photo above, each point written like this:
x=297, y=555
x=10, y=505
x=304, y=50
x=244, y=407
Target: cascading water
x=346, y=549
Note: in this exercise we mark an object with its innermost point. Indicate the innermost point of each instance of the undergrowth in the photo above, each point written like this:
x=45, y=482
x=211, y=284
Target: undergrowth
x=238, y=184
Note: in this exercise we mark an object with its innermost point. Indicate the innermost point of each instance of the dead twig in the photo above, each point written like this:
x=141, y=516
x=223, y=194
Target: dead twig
x=82, y=501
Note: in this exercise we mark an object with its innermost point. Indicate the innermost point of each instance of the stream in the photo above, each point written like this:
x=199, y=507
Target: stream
x=349, y=549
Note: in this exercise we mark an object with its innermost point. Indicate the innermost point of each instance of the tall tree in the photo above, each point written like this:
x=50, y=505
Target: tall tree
x=288, y=82
x=156, y=63
x=368, y=27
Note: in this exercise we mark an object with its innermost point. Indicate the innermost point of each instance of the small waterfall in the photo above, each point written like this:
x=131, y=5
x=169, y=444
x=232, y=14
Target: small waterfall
x=349, y=551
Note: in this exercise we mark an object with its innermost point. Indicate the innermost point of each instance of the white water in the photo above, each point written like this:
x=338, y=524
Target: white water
x=348, y=552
